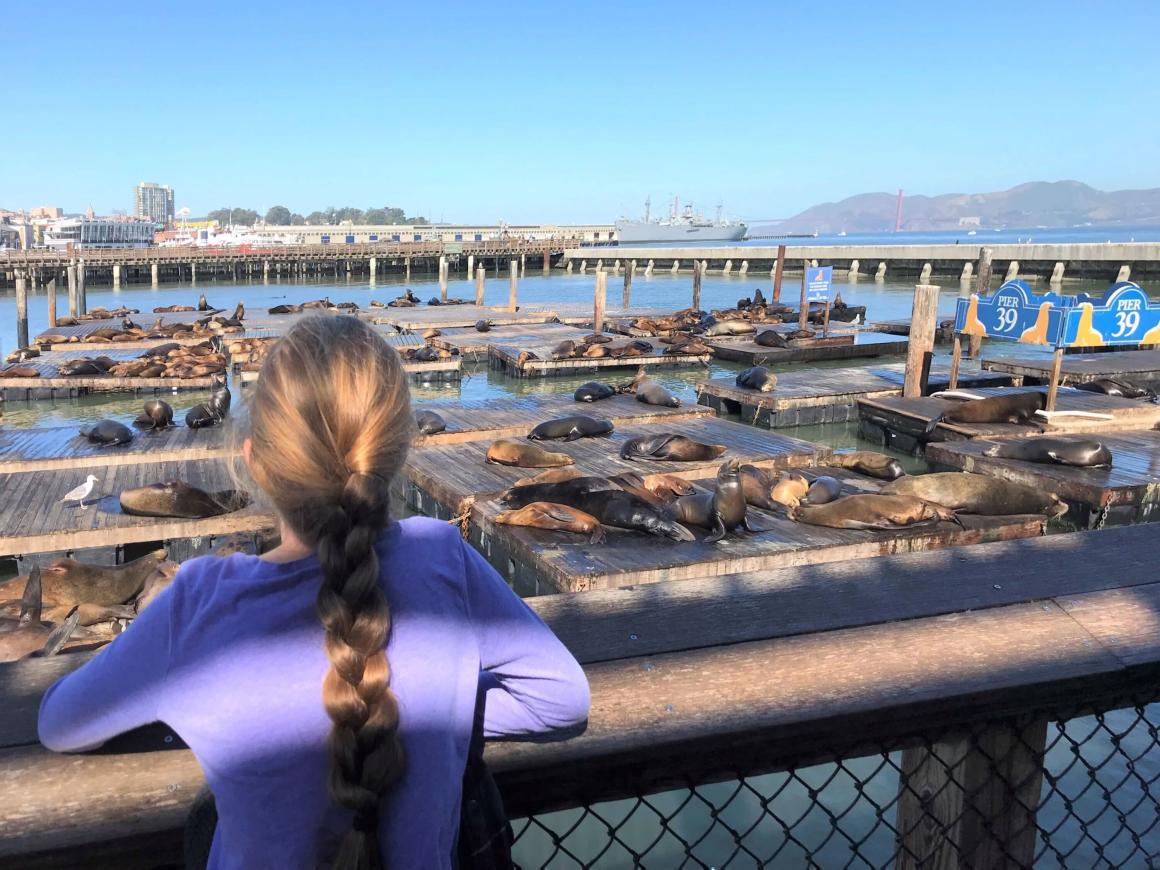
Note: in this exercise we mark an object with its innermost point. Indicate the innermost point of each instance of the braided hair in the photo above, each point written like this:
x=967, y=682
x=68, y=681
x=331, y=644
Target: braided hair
x=330, y=424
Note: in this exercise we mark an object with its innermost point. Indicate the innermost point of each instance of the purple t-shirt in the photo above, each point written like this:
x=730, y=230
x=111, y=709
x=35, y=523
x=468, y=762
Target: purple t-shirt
x=231, y=657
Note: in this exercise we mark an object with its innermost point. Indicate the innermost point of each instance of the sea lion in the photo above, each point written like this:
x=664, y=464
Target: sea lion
x=545, y=515
x=977, y=494
x=108, y=432
x=1080, y=452
x=722, y=510
x=869, y=463
x=1114, y=388
x=757, y=486
x=757, y=378
x=521, y=454
x=872, y=511
x=20, y=372
x=593, y=392
x=729, y=327
x=176, y=498
x=593, y=351
x=789, y=489
x=557, y=492
x=623, y=510
x=69, y=582
x=213, y=410
x=770, y=338
x=27, y=634
x=823, y=490
x=667, y=446
x=429, y=423
x=564, y=350
x=483, y=326
x=158, y=581
x=285, y=309
x=552, y=475
x=571, y=428
x=158, y=414
x=650, y=392
x=81, y=367
x=667, y=486
x=1009, y=408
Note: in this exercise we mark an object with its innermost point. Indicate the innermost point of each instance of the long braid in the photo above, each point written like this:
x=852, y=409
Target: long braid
x=330, y=424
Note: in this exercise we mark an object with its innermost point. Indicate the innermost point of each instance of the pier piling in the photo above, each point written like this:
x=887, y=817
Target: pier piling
x=51, y=293
x=696, y=285
x=72, y=291
x=1125, y=273
x=1012, y=270
x=648, y=270
x=804, y=312
x=676, y=267
x=515, y=265
x=982, y=286
x=744, y=270
x=116, y=276
x=923, y=321
x=480, y=274
x=154, y=276
x=880, y=275
x=728, y=267
x=968, y=271
x=779, y=268
x=21, y=310
x=628, y=272
x=854, y=268
x=924, y=275
x=82, y=294
x=1057, y=274
x=598, y=301
x=442, y=278
x=470, y=266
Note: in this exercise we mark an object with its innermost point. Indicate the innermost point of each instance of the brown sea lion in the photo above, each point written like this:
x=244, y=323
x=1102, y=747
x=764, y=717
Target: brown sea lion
x=19, y=372
x=1080, y=452
x=545, y=515
x=729, y=327
x=868, y=462
x=823, y=490
x=977, y=494
x=522, y=454
x=667, y=486
x=757, y=378
x=27, y=634
x=552, y=475
x=596, y=338
x=1008, y=408
x=175, y=498
x=595, y=351
x=789, y=489
x=69, y=582
x=770, y=338
x=571, y=428
x=872, y=511
x=564, y=350
x=758, y=486
x=722, y=510
x=650, y=392
x=670, y=447
x=160, y=580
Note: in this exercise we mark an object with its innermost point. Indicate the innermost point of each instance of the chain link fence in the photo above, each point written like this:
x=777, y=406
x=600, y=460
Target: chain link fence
x=1078, y=788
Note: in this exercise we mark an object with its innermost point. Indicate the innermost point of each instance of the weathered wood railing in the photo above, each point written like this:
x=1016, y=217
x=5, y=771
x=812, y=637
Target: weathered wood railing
x=703, y=680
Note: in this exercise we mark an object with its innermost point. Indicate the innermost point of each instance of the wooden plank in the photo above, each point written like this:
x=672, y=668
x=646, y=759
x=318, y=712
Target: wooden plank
x=489, y=419
x=59, y=448
x=421, y=317
x=507, y=356
x=446, y=480
x=537, y=561
x=1139, y=366
x=1132, y=482
x=866, y=344
x=56, y=526
x=473, y=345
x=1123, y=620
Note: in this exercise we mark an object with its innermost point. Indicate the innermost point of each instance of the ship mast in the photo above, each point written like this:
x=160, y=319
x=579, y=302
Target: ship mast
x=647, y=207
x=719, y=205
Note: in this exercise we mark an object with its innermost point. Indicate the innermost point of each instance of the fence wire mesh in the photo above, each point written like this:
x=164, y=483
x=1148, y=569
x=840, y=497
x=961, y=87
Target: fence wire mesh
x=1068, y=789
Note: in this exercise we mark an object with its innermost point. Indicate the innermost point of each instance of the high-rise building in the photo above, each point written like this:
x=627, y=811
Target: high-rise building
x=155, y=202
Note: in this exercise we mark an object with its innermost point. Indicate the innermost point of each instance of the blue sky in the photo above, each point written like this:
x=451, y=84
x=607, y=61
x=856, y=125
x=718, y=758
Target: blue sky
x=570, y=112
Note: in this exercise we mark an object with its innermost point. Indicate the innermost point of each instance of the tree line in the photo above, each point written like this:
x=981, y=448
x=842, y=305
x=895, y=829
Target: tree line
x=280, y=216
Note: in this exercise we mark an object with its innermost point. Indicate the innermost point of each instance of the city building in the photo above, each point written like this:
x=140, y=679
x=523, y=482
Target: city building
x=99, y=232
x=46, y=211
x=155, y=202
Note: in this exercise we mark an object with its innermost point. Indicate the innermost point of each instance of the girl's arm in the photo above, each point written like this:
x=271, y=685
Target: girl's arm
x=118, y=690
x=533, y=683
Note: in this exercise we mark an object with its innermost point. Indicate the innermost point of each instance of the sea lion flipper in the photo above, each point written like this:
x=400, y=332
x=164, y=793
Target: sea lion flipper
x=574, y=435
x=60, y=635
x=933, y=424
x=598, y=536
x=718, y=530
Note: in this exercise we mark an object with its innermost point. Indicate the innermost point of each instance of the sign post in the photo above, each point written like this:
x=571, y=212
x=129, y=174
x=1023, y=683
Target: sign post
x=818, y=286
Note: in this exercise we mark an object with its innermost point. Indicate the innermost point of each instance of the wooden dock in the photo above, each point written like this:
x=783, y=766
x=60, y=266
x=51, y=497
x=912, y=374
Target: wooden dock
x=436, y=370
x=506, y=357
x=1139, y=367
x=1128, y=492
x=444, y=481
x=473, y=345
x=29, y=389
x=900, y=423
x=828, y=395
x=61, y=448
x=32, y=519
x=420, y=317
x=489, y=419
x=865, y=344
x=540, y=562
x=580, y=314
x=76, y=334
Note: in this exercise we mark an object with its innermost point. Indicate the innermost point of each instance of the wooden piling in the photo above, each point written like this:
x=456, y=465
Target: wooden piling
x=547, y=261
x=777, y=273
x=956, y=360
x=1053, y=384
x=442, y=278
x=21, y=310
x=804, y=314
x=598, y=301
x=696, y=285
x=480, y=274
x=982, y=285
x=51, y=294
x=923, y=322
x=628, y=282
x=515, y=273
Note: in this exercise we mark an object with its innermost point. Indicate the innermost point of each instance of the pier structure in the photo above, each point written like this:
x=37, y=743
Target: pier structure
x=1110, y=262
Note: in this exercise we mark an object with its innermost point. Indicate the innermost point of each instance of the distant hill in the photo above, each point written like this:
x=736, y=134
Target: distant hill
x=1038, y=203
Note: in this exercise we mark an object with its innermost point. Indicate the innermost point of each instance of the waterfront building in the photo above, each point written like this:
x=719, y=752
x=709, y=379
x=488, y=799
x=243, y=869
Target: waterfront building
x=99, y=232
x=154, y=202
x=353, y=234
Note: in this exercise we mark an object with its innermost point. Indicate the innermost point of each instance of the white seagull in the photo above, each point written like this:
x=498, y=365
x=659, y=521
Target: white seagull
x=81, y=492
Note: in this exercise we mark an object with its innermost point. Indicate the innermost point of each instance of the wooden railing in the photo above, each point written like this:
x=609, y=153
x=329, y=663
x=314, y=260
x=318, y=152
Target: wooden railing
x=699, y=681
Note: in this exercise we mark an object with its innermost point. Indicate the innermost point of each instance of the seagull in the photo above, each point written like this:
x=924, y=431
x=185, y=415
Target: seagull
x=81, y=492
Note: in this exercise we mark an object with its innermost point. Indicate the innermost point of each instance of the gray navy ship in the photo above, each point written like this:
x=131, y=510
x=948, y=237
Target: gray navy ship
x=680, y=226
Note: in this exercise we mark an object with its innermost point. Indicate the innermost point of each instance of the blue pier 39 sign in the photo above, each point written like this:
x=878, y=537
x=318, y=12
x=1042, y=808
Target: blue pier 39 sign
x=1013, y=313
x=819, y=281
x=1125, y=315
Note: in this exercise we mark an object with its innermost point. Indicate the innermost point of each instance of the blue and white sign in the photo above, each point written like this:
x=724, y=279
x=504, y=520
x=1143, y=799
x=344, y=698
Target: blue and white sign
x=1013, y=313
x=819, y=281
x=1125, y=315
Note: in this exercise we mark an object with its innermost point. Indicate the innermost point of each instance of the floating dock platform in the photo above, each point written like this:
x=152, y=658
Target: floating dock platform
x=420, y=317
x=33, y=519
x=901, y=423
x=539, y=562
x=1139, y=367
x=804, y=398
x=1128, y=492
x=445, y=481
x=61, y=448
x=506, y=357
x=489, y=419
x=864, y=344
x=473, y=345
